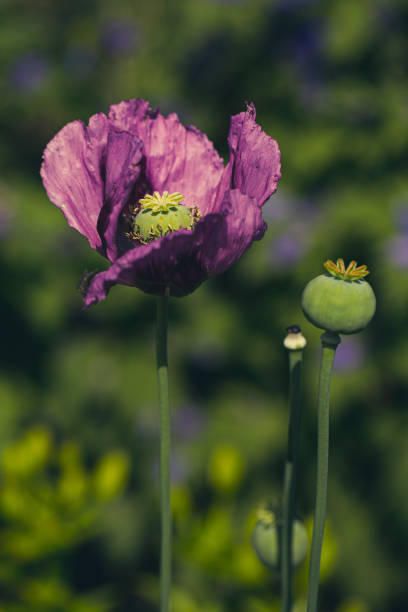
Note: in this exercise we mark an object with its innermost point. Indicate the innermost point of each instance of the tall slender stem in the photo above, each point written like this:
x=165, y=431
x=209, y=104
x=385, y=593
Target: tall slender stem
x=163, y=385
x=289, y=482
x=330, y=341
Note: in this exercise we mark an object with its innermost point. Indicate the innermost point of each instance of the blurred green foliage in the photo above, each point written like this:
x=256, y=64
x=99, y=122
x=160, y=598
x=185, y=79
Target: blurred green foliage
x=49, y=507
x=329, y=81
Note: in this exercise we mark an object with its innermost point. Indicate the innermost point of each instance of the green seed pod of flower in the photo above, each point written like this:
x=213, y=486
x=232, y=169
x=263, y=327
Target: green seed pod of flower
x=341, y=301
x=265, y=541
x=159, y=215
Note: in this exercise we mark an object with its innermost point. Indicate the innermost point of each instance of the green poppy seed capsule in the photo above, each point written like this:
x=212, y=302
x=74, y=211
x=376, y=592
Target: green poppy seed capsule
x=265, y=541
x=159, y=215
x=341, y=301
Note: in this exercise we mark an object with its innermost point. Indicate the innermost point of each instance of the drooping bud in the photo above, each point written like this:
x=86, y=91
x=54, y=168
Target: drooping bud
x=341, y=301
x=159, y=215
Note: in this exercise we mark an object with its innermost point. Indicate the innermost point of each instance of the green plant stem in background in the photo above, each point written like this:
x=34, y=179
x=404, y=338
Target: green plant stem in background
x=330, y=341
x=289, y=482
x=162, y=379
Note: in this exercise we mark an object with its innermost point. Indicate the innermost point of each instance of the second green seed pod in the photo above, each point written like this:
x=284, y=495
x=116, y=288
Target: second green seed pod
x=341, y=301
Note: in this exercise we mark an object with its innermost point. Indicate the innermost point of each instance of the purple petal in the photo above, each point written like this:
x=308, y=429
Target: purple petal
x=169, y=261
x=123, y=157
x=129, y=114
x=241, y=224
x=72, y=174
x=254, y=165
x=178, y=158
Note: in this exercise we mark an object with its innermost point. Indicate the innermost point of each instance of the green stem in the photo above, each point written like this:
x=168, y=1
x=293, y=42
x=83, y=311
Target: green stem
x=289, y=482
x=162, y=379
x=330, y=341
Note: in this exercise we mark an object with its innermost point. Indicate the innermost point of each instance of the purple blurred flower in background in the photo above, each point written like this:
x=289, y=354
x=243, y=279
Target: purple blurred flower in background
x=287, y=249
x=102, y=177
x=229, y=1
x=401, y=217
x=119, y=36
x=307, y=45
x=349, y=354
x=396, y=247
x=282, y=209
x=388, y=15
x=180, y=468
x=290, y=244
x=188, y=422
x=308, y=56
x=285, y=6
x=7, y=213
x=29, y=72
x=6, y=222
x=396, y=250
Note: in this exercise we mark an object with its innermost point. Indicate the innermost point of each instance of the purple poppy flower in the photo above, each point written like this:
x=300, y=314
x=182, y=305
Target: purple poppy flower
x=120, y=181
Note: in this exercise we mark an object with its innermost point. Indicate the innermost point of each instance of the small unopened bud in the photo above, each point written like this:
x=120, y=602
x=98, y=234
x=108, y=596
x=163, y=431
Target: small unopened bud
x=295, y=340
x=267, y=534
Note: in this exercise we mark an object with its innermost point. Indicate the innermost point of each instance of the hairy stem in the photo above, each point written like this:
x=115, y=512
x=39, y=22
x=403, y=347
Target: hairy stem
x=330, y=341
x=162, y=380
x=289, y=483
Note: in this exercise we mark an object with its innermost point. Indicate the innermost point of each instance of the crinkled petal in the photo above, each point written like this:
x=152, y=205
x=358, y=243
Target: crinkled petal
x=122, y=169
x=72, y=174
x=254, y=164
x=171, y=261
x=241, y=224
x=130, y=114
x=178, y=158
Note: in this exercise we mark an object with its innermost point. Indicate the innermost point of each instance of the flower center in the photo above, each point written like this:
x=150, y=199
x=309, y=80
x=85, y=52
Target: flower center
x=159, y=215
x=351, y=273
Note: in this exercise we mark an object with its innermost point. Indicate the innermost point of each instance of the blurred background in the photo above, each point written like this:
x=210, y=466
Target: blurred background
x=78, y=408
